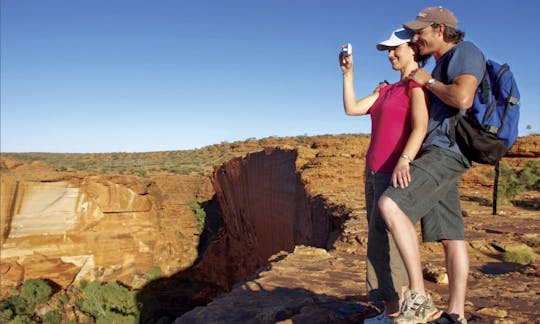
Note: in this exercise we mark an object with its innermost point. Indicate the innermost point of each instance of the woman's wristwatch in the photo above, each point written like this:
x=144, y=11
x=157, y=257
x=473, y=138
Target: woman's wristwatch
x=406, y=157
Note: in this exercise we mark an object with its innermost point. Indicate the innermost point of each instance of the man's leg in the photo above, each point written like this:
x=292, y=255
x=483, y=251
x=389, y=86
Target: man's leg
x=447, y=227
x=457, y=266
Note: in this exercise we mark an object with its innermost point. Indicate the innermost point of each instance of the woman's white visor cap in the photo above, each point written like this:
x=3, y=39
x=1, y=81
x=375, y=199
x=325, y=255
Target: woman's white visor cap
x=398, y=37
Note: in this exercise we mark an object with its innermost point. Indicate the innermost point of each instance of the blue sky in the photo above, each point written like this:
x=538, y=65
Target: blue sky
x=141, y=76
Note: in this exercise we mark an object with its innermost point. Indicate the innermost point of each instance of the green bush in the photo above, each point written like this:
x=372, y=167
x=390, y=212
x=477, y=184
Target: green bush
x=509, y=185
x=200, y=214
x=18, y=305
x=112, y=317
x=533, y=240
x=19, y=308
x=530, y=175
x=154, y=273
x=92, y=301
x=119, y=299
x=109, y=303
x=22, y=319
x=6, y=315
x=35, y=291
x=513, y=183
x=521, y=254
x=52, y=317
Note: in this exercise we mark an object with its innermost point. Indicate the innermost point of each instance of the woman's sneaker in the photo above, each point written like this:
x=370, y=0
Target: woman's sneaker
x=379, y=319
x=417, y=308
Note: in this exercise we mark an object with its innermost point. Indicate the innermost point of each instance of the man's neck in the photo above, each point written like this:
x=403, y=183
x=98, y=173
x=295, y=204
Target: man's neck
x=444, y=48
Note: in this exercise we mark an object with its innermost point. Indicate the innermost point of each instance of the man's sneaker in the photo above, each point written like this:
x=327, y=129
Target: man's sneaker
x=449, y=319
x=379, y=319
x=417, y=308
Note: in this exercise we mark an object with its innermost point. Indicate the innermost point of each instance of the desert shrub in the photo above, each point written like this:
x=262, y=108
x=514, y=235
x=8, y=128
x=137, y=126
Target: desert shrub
x=35, y=291
x=109, y=303
x=521, y=254
x=92, y=301
x=530, y=175
x=200, y=214
x=533, y=240
x=139, y=171
x=509, y=185
x=19, y=308
x=52, y=317
x=154, y=273
x=63, y=300
x=22, y=319
x=119, y=299
x=513, y=183
x=6, y=315
x=113, y=317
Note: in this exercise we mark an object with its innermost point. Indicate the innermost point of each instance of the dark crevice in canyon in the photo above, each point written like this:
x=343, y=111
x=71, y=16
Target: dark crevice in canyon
x=11, y=212
x=260, y=207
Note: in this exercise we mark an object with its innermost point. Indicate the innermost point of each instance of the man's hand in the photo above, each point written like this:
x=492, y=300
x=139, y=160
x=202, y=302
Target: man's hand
x=420, y=76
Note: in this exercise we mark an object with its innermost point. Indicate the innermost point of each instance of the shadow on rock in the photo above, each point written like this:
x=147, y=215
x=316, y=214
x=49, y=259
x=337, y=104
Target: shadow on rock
x=298, y=305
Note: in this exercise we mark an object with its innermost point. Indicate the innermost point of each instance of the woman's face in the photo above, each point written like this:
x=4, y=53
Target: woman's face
x=400, y=56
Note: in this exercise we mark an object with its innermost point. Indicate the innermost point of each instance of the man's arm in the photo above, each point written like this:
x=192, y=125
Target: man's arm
x=459, y=94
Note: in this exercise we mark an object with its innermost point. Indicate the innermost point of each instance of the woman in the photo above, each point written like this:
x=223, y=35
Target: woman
x=399, y=119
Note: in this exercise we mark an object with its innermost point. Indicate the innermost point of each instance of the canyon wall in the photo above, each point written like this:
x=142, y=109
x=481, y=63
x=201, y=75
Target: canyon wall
x=266, y=209
x=86, y=227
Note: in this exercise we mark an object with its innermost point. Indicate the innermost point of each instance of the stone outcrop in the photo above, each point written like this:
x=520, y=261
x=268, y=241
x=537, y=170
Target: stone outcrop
x=91, y=228
x=309, y=285
x=266, y=209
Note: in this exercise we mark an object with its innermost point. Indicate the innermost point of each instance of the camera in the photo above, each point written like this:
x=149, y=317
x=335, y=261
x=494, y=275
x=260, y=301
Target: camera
x=346, y=50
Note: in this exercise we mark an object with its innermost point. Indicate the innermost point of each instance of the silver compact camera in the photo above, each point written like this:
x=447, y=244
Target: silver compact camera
x=346, y=50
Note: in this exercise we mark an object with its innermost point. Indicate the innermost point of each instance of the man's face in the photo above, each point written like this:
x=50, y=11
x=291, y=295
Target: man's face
x=428, y=39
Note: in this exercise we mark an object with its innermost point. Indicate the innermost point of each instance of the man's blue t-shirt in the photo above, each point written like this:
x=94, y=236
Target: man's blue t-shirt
x=464, y=58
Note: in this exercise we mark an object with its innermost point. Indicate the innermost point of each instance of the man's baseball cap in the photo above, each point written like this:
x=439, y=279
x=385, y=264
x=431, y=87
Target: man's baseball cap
x=432, y=15
x=398, y=37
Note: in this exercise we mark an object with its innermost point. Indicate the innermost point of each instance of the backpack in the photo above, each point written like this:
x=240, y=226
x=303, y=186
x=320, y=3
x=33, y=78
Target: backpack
x=490, y=127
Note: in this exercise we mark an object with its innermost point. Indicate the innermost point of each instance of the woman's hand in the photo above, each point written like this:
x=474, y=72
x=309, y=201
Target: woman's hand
x=345, y=63
x=401, y=176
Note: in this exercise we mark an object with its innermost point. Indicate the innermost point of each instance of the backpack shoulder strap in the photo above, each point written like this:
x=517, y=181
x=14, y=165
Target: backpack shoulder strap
x=452, y=120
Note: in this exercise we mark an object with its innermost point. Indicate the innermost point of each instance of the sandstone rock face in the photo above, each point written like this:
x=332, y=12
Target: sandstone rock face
x=92, y=228
x=266, y=209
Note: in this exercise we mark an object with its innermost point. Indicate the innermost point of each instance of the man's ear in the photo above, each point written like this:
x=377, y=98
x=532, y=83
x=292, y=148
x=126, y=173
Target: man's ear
x=442, y=29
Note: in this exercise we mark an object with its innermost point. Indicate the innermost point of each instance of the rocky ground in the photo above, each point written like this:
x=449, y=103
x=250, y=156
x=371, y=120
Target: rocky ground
x=316, y=285
x=313, y=285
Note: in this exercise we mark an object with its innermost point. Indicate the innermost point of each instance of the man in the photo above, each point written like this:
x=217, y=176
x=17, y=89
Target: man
x=433, y=193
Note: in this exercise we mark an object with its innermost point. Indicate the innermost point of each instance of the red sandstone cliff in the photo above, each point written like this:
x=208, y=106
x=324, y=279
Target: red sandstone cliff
x=68, y=228
x=265, y=209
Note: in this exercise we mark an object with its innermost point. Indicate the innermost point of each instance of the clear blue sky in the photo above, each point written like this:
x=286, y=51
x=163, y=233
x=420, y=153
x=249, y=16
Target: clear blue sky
x=140, y=76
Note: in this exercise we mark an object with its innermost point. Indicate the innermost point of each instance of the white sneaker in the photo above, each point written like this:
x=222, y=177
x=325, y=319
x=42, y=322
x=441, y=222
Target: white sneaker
x=417, y=308
x=379, y=319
